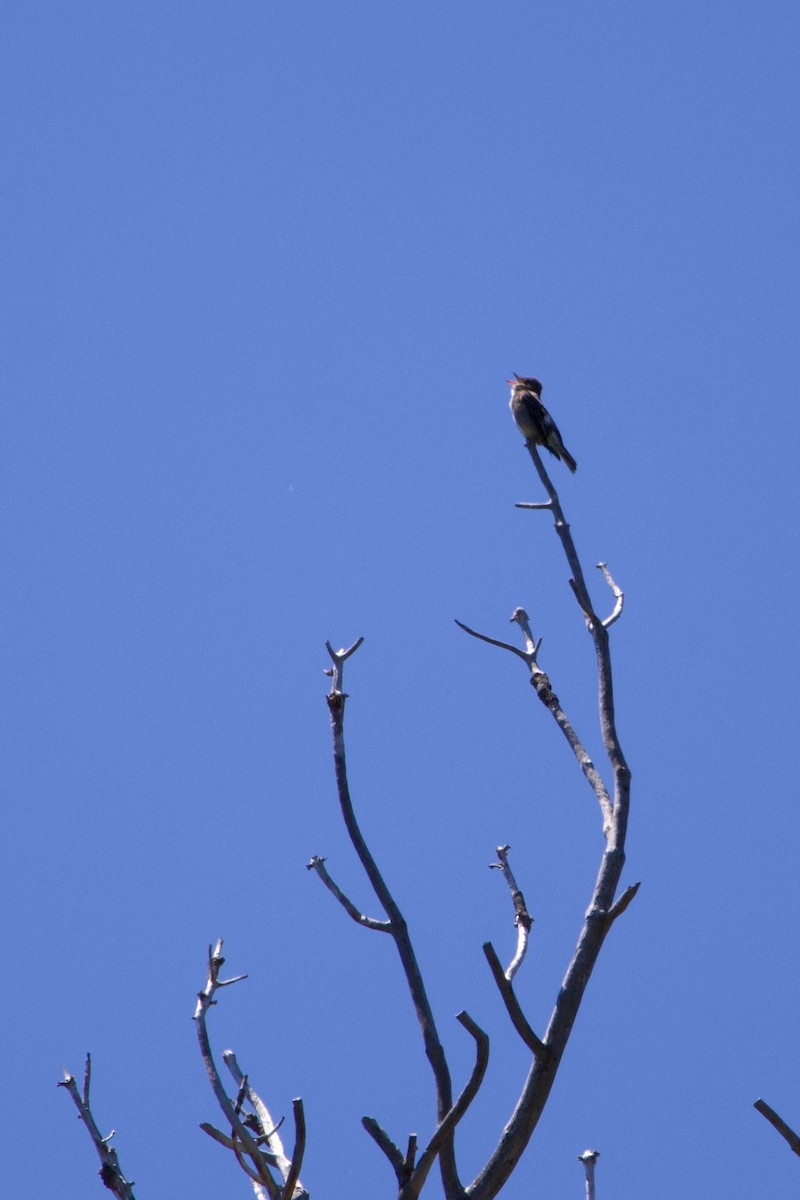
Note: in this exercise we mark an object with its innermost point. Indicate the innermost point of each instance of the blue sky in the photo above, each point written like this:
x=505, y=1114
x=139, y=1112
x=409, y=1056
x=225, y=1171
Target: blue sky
x=267, y=267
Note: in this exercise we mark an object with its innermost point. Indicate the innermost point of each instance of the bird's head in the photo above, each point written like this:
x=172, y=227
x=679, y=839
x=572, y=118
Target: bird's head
x=527, y=382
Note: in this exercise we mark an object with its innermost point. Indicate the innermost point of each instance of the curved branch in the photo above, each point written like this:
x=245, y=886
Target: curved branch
x=251, y=1174
x=619, y=597
x=448, y=1123
x=317, y=863
x=526, y=658
x=385, y=1143
x=522, y=918
x=299, y=1149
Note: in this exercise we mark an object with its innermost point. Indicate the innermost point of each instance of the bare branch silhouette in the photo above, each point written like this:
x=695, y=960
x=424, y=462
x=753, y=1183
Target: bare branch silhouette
x=787, y=1133
x=110, y=1171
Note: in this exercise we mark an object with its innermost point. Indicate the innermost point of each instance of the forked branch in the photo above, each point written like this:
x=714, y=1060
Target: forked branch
x=254, y=1140
x=602, y=910
x=110, y=1171
x=544, y=690
x=317, y=863
x=410, y=1177
x=397, y=926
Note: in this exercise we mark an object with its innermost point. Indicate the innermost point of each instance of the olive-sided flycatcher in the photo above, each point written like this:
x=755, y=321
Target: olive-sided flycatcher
x=534, y=421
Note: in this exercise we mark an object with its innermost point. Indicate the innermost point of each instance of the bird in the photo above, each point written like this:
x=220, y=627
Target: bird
x=534, y=421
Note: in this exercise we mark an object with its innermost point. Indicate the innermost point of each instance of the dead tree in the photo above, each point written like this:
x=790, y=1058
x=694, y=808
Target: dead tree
x=252, y=1136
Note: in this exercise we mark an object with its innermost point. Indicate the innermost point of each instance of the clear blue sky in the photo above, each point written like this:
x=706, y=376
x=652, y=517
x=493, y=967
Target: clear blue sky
x=266, y=267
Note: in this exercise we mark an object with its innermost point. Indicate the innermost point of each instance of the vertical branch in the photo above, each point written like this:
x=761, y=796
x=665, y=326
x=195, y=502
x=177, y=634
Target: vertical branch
x=589, y=1159
x=110, y=1171
x=398, y=927
x=522, y=918
x=601, y=912
x=597, y=629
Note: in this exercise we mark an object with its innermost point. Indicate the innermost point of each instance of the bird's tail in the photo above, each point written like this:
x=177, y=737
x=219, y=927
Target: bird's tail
x=569, y=460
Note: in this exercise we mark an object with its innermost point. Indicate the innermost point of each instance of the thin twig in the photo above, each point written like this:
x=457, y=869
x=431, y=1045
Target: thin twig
x=544, y=690
x=619, y=597
x=87, y=1079
x=317, y=863
x=522, y=918
x=619, y=906
x=526, y=658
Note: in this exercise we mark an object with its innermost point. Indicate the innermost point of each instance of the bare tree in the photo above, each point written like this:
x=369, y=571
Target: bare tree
x=254, y=1138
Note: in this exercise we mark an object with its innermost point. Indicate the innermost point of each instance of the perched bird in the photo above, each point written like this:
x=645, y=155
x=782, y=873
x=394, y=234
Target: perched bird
x=534, y=421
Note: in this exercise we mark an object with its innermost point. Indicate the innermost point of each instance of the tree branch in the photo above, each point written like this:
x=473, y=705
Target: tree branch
x=398, y=927
x=589, y=1159
x=243, y=1143
x=544, y=691
x=599, y=634
x=619, y=598
x=339, y=658
x=618, y=908
x=392, y=1152
x=445, y=1129
x=522, y=918
x=297, y=1154
x=526, y=657
x=602, y=911
x=110, y=1171
x=508, y=996
x=268, y=1129
x=786, y=1132
x=317, y=863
